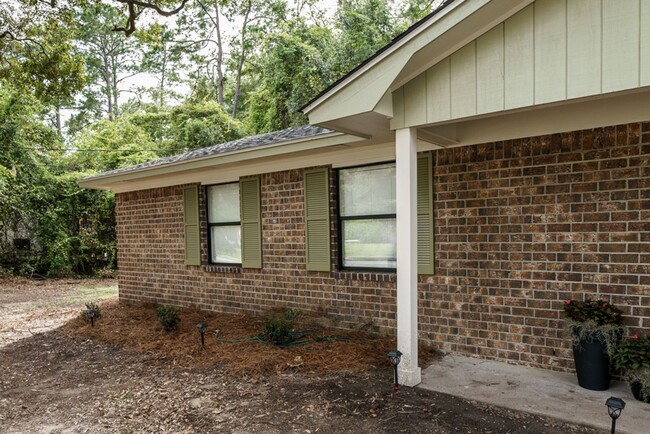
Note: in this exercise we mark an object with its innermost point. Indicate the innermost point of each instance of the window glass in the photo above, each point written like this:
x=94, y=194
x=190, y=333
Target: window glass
x=367, y=216
x=223, y=203
x=224, y=226
x=367, y=190
x=226, y=244
x=369, y=243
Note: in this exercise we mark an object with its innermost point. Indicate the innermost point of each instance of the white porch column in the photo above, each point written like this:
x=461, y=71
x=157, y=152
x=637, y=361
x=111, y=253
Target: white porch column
x=407, y=288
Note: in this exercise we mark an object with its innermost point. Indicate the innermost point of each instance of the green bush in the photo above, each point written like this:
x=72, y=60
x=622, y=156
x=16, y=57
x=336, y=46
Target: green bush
x=276, y=330
x=633, y=353
x=168, y=317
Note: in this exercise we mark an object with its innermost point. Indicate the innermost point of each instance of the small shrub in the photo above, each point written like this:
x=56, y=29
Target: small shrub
x=91, y=313
x=292, y=314
x=276, y=330
x=168, y=317
x=632, y=354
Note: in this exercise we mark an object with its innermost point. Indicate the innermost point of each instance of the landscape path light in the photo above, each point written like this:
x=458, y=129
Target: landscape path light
x=615, y=406
x=395, y=357
x=90, y=314
x=202, y=327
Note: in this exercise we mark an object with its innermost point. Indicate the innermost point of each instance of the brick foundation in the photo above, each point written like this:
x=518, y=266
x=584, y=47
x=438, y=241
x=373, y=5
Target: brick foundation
x=521, y=226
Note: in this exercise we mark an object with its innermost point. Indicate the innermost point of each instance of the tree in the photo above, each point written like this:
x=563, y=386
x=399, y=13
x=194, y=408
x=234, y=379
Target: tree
x=414, y=10
x=365, y=26
x=294, y=67
x=37, y=55
x=111, y=59
x=161, y=58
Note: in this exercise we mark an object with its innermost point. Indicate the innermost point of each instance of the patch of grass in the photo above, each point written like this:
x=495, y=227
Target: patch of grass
x=86, y=294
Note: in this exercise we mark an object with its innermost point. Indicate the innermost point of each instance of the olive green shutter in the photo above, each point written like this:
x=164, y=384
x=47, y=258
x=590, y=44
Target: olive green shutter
x=191, y=223
x=317, y=219
x=251, y=223
x=425, y=214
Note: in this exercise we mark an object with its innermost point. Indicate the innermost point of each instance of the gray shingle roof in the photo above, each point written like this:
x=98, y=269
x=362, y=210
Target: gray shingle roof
x=245, y=143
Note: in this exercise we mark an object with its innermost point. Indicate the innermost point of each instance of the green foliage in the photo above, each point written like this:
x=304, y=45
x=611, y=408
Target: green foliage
x=278, y=327
x=292, y=314
x=37, y=54
x=293, y=71
x=109, y=145
x=202, y=124
x=169, y=317
x=365, y=26
x=599, y=312
x=632, y=353
x=276, y=330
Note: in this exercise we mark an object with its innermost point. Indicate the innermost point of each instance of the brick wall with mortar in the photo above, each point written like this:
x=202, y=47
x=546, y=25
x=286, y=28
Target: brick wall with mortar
x=521, y=226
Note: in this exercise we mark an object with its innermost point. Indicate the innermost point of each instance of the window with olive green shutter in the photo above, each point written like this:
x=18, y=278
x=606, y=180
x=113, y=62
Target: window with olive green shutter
x=367, y=215
x=251, y=223
x=425, y=214
x=317, y=219
x=191, y=224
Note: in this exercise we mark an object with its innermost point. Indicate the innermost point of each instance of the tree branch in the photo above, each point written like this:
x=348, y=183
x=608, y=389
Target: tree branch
x=134, y=12
x=7, y=34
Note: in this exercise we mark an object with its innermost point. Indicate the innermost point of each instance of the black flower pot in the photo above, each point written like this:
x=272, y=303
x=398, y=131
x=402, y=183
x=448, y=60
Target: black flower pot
x=592, y=364
x=636, y=391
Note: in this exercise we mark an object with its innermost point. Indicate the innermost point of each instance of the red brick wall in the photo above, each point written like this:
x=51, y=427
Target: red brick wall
x=520, y=227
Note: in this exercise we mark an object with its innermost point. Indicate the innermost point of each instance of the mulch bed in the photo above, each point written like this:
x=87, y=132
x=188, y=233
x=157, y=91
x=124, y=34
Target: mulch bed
x=137, y=328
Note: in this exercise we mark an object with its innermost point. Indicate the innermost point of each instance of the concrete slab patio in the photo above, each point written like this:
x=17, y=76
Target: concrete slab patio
x=537, y=391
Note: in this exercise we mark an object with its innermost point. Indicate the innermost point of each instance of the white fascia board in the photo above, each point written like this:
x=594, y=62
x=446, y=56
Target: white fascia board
x=105, y=182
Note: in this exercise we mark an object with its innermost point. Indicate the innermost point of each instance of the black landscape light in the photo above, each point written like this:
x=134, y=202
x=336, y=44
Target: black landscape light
x=395, y=357
x=615, y=406
x=202, y=328
x=90, y=314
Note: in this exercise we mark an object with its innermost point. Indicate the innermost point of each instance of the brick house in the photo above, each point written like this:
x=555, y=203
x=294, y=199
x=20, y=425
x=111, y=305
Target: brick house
x=458, y=186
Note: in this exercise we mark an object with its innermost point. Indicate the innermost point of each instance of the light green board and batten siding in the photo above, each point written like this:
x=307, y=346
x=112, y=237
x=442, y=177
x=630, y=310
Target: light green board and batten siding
x=550, y=51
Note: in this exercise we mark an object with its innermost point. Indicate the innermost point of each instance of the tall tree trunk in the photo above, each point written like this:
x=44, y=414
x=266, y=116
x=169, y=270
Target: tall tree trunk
x=57, y=114
x=163, y=71
x=108, y=93
x=116, y=93
x=242, y=58
x=219, y=54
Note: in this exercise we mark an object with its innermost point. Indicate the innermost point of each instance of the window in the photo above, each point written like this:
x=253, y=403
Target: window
x=224, y=223
x=367, y=217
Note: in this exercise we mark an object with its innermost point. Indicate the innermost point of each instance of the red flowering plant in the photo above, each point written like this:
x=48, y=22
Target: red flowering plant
x=593, y=320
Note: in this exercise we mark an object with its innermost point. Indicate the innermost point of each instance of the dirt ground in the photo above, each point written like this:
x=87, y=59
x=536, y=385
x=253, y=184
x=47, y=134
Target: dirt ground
x=59, y=375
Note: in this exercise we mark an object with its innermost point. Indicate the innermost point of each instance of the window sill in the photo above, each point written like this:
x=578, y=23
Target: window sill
x=374, y=276
x=224, y=269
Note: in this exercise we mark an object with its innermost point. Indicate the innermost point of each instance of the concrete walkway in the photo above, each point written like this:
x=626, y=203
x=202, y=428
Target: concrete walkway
x=537, y=391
